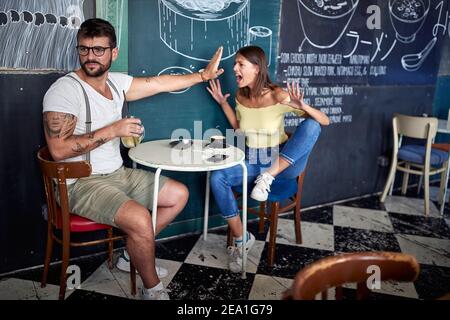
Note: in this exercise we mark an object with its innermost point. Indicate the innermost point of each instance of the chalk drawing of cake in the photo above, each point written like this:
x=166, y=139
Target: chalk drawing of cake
x=195, y=28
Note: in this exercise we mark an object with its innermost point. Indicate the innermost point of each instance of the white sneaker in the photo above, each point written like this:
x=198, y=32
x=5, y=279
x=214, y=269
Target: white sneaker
x=235, y=253
x=156, y=293
x=261, y=191
x=123, y=263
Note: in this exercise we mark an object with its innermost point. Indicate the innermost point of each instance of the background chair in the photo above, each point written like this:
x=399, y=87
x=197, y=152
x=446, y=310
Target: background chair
x=286, y=192
x=421, y=160
x=334, y=271
x=60, y=218
x=443, y=193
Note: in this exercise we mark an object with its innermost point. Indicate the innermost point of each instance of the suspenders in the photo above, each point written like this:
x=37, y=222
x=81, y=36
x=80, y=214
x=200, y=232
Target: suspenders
x=88, y=107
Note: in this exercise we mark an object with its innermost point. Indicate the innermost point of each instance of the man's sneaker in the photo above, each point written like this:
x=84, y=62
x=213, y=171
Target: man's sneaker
x=123, y=263
x=235, y=253
x=156, y=293
x=261, y=191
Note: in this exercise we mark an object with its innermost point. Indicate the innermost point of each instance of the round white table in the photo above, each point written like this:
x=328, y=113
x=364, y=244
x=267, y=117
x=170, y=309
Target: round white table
x=159, y=154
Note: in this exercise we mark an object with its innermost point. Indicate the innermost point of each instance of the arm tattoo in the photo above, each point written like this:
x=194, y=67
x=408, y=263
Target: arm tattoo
x=100, y=141
x=79, y=148
x=58, y=124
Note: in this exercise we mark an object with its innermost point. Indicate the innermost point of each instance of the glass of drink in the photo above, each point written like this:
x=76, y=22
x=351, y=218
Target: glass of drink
x=131, y=142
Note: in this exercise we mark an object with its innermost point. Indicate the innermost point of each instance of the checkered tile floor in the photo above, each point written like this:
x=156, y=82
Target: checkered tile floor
x=198, y=268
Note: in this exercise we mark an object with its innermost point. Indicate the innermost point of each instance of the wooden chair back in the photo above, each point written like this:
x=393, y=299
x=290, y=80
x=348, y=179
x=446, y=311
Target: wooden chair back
x=55, y=175
x=334, y=271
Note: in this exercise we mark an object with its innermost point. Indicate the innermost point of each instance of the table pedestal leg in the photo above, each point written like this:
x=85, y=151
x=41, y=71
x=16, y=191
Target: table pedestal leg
x=444, y=196
x=206, y=210
x=155, y=199
x=244, y=219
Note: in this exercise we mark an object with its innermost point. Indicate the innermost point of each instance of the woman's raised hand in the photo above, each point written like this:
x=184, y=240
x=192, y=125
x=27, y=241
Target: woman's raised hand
x=216, y=92
x=296, y=95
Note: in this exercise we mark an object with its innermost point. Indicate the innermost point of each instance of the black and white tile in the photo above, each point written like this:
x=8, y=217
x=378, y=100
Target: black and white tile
x=410, y=206
x=198, y=268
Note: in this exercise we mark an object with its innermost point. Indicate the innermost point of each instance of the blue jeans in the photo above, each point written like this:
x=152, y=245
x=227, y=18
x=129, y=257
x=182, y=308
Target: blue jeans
x=295, y=151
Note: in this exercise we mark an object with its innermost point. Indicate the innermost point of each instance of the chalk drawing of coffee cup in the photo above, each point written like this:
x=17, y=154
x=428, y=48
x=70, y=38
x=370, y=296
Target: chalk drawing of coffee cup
x=195, y=29
x=325, y=21
x=407, y=17
x=262, y=37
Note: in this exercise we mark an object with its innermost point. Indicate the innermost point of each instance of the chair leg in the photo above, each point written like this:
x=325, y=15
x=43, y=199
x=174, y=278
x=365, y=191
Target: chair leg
x=298, y=208
x=133, y=279
x=427, y=192
x=273, y=233
x=262, y=216
x=419, y=186
x=390, y=180
x=65, y=264
x=405, y=180
x=338, y=293
x=297, y=220
x=442, y=184
x=110, y=249
x=443, y=187
x=362, y=292
x=48, y=256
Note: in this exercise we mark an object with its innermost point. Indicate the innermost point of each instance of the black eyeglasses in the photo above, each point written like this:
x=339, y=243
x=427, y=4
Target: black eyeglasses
x=97, y=50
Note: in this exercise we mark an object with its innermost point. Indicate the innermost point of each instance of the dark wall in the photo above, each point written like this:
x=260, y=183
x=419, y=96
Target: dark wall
x=22, y=227
x=441, y=104
x=344, y=162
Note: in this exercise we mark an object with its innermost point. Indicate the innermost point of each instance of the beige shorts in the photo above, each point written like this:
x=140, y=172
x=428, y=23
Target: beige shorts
x=98, y=197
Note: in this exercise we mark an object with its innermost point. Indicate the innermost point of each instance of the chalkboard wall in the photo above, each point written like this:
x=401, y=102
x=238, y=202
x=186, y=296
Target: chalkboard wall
x=359, y=62
x=166, y=38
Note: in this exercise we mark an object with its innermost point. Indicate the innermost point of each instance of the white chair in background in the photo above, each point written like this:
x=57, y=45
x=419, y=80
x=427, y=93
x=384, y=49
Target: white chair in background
x=421, y=160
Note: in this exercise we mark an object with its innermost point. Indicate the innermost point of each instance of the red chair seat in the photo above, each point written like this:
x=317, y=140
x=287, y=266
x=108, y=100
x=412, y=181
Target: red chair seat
x=441, y=146
x=79, y=223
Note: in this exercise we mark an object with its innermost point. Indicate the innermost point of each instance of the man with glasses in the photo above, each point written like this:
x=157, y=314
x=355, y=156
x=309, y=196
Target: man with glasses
x=82, y=114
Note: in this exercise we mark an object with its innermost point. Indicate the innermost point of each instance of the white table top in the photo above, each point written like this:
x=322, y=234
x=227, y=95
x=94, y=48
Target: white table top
x=159, y=154
x=443, y=126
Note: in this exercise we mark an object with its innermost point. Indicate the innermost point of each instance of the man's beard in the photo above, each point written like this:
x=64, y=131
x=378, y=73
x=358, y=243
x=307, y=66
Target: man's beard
x=99, y=72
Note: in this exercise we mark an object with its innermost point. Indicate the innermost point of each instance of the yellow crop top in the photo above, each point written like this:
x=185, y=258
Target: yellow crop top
x=264, y=127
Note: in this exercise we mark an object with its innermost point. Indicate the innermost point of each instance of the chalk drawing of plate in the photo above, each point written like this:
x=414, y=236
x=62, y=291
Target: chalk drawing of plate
x=333, y=16
x=176, y=71
x=195, y=29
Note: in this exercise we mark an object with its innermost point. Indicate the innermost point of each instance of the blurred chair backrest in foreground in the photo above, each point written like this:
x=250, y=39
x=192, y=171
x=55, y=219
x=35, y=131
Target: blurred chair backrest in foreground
x=335, y=271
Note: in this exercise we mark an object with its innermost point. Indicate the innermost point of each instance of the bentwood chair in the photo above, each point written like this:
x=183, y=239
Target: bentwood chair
x=55, y=175
x=285, y=195
x=335, y=271
x=415, y=159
